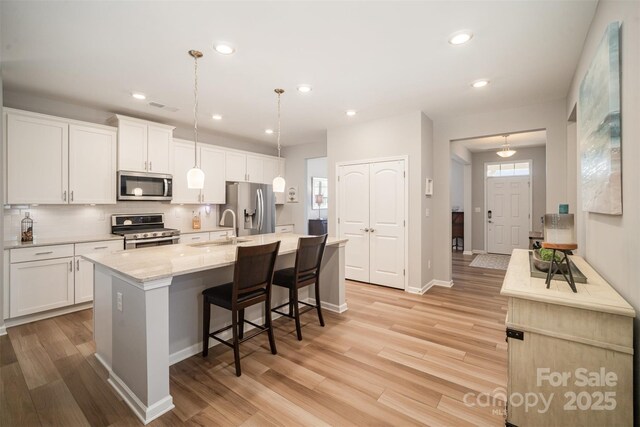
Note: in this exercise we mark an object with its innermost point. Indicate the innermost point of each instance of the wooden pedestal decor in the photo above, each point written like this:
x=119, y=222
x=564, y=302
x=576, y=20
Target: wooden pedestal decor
x=570, y=355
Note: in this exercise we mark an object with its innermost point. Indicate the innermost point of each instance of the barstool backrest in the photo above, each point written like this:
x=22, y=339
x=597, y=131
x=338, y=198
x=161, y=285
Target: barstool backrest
x=309, y=257
x=254, y=268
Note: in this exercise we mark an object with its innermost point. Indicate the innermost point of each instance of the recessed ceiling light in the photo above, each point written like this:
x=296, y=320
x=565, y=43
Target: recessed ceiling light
x=224, y=49
x=216, y=117
x=460, y=37
x=304, y=88
x=351, y=113
x=268, y=131
x=139, y=95
x=480, y=83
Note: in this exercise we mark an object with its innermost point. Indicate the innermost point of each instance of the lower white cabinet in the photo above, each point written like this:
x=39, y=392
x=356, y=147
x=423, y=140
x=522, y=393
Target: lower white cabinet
x=219, y=234
x=41, y=285
x=194, y=237
x=84, y=268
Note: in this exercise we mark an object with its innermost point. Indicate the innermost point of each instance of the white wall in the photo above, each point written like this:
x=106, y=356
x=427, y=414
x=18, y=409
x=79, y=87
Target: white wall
x=457, y=186
x=316, y=168
x=612, y=243
x=69, y=110
x=549, y=115
x=2, y=151
x=295, y=174
x=403, y=135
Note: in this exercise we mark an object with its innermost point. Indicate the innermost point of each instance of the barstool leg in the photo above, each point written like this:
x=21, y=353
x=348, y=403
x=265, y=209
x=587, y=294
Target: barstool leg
x=296, y=313
x=318, y=307
x=267, y=316
x=206, y=321
x=236, y=341
x=241, y=324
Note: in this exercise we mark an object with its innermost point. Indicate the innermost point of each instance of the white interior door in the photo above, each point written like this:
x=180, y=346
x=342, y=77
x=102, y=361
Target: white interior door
x=354, y=219
x=386, y=224
x=508, y=210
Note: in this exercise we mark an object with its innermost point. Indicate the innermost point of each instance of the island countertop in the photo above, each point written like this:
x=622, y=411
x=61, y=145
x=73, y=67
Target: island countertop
x=148, y=264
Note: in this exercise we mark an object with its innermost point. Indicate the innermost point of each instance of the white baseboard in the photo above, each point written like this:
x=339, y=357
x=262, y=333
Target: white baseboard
x=144, y=413
x=467, y=253
x=479, y=251
x=328, y=306
x=443, y=283
x=422, y=290
x=3, y=330
x=46, y=315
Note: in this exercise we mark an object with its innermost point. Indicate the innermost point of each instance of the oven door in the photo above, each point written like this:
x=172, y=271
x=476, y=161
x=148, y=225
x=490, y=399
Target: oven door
x=144, y=186
x=145, y=243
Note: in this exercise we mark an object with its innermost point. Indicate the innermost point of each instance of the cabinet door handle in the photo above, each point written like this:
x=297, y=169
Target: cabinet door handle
x=101, y=247
x=72, y=195
x=64, y=195
x=150, y=166
x=44, y=253
x=77, y=265
x=145, y=165
x=372, y=230
x=195, y=238
x=70, y=265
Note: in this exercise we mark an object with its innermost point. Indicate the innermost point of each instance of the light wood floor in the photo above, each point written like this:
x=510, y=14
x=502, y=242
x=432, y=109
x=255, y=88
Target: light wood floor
x=392, y=359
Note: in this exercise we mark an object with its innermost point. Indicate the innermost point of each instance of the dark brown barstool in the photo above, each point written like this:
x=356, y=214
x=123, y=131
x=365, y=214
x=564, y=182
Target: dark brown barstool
x=305, y=272
x=251, y=285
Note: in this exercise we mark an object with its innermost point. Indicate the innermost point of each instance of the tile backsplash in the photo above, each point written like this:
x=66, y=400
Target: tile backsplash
x=76, y=220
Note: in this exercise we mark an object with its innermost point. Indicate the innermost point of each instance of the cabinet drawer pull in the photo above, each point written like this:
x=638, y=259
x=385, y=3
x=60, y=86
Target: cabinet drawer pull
x=195, y=238
x=44, y=253
x=70, y=265
x=101, y=247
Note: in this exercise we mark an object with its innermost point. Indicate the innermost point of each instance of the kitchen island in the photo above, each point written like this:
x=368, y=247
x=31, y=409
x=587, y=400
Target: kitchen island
x=148, y=308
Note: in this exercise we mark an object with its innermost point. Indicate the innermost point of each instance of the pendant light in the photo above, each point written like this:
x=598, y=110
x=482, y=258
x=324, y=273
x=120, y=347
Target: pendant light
x=506, y=150
x=278, y=181
x=195, y=176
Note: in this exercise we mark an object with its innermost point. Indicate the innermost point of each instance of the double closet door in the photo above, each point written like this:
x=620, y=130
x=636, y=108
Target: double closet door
x=371, y=214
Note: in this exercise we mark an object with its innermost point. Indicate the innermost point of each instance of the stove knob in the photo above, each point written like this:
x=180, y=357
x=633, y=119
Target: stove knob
x=154, y=234
x=145, y=235
x=166, y=233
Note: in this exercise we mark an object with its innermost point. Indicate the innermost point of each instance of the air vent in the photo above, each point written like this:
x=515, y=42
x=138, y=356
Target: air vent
x=162, y=106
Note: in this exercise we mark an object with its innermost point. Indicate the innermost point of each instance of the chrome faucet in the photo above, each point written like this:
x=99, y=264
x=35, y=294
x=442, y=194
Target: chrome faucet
x=222, y=218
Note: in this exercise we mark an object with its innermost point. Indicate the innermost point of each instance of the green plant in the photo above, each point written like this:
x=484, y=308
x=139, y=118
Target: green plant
x=547, y=254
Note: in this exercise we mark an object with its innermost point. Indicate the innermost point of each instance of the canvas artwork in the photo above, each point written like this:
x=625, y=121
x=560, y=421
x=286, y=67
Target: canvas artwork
x=599, y=128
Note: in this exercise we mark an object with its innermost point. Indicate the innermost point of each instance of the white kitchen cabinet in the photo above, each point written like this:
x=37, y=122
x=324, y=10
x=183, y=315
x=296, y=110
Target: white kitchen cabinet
x=84, y=269
x=52, y=160
x=41, y=285
x=92, y=164
x=236, y=166
x=5, y=285
x=37, y=159
x=143, y=146
x=194, y=237
x=212, y=163
x=255, y=169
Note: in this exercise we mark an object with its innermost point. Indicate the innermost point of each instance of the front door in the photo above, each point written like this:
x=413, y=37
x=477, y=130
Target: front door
x=508, y=221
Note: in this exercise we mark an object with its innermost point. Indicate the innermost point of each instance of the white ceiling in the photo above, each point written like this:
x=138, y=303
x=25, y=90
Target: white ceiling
x=516, y=140
x=379, y=58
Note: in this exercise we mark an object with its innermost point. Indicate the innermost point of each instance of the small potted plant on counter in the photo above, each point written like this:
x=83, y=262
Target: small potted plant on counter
x=542, y=259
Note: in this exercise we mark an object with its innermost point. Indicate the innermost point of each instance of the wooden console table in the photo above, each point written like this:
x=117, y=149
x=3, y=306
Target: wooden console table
x=558, y=339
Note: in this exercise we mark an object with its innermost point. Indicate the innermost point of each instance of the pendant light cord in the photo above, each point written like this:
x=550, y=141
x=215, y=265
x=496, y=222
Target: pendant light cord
x=279, y=94
x=195, y=114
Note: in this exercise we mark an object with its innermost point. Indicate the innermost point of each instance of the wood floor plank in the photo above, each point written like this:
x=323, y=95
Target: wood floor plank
x=56, y=405
x=16, y=406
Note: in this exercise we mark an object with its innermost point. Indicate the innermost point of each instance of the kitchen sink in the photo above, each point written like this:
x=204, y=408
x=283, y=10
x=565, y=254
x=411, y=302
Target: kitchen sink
x=219, y=242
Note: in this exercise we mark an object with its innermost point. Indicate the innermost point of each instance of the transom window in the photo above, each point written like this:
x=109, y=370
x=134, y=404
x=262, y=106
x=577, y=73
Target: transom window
x=508, y=169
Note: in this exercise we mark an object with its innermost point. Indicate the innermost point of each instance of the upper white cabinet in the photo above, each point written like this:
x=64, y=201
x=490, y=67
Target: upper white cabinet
x=37, y=159
x=245, y=167
x=143, y=146
x=92, y=165
x=212, y=162
x=51, y=160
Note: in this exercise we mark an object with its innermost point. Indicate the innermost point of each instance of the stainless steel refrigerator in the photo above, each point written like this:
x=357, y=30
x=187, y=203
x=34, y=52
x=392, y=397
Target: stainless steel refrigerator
x=254, y=206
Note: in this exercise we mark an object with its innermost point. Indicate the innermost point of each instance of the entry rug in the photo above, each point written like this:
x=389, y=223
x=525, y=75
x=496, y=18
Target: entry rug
x=497, y=262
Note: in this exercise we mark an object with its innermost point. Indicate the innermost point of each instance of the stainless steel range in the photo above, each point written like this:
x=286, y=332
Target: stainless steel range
x=143, y=230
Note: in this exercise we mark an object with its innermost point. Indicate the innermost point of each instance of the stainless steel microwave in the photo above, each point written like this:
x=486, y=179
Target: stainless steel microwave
x=144, y=186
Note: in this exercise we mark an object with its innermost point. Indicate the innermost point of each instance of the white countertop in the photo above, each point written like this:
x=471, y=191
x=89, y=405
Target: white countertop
x=205, y=230
x=596, y=294
x=49, y=241
x=147, y=264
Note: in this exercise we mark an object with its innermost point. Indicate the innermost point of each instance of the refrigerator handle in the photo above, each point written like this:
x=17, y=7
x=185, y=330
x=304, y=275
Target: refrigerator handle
x=262, y=212
x=261, y=207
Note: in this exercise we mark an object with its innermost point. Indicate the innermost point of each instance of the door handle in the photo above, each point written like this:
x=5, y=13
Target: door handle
x=490, y=222
x=366, y=230
x=372, y=230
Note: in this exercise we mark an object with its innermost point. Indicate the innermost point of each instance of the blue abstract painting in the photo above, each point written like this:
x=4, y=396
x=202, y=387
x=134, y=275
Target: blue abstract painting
x=599, y=128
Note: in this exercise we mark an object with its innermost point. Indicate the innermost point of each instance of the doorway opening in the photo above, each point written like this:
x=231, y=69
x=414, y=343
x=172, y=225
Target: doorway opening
x=317, y=198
